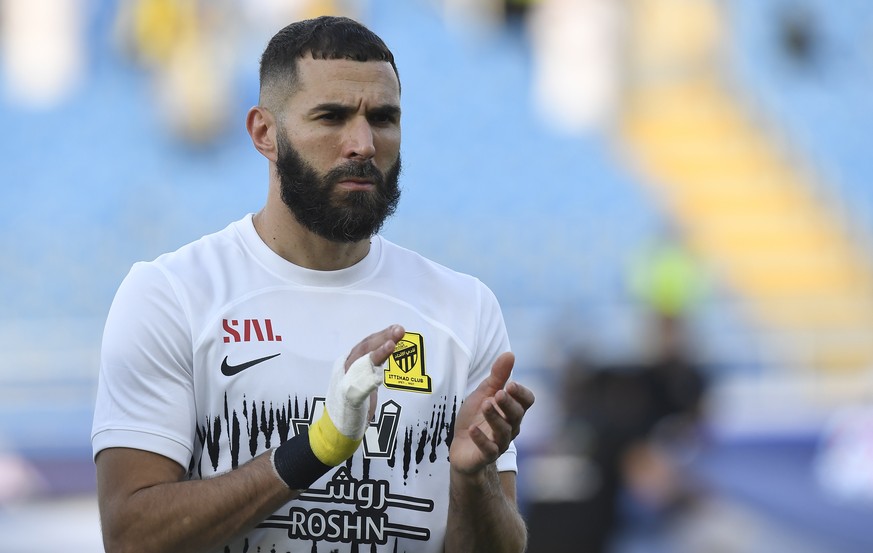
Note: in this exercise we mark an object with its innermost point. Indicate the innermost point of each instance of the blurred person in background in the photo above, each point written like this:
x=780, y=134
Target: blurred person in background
x=587, y=36
x=667, y=391
x=628, y=423
x=18, y=478
x=800, y=35
x=230, y=415
x=188, y=49
x=42, y=51
x=515, y=12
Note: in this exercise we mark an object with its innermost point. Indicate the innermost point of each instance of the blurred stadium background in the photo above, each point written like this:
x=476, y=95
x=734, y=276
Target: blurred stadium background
x=549, y=148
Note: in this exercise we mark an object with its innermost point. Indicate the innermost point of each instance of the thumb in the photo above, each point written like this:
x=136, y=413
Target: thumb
x=500, y=373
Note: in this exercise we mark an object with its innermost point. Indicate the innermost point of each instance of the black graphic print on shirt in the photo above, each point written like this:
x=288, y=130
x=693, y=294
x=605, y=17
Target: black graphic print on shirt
x=353, y=508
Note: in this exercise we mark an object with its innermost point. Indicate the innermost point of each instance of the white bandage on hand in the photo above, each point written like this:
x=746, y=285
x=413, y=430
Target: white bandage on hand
x=348, y=395
x=338, y=433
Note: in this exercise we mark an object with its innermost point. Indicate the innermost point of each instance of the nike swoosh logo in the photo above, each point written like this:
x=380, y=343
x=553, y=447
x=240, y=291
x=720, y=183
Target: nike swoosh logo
x=230, y=370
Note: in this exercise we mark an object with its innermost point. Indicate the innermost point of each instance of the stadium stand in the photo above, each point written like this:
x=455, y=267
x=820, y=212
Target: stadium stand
x=96, y=183
x=548, y=220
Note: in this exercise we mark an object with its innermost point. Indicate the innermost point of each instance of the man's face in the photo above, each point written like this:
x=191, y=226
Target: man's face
x=338, y=158
x=322, y=205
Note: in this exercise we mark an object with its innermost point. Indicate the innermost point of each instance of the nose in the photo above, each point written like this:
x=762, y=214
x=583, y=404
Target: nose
x=359, y=143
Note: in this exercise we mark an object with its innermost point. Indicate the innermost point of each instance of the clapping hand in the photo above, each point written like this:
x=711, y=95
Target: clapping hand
x=489, y=419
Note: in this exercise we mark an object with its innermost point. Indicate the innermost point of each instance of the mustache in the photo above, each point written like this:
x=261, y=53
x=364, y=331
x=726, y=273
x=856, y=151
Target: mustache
x=357, y=170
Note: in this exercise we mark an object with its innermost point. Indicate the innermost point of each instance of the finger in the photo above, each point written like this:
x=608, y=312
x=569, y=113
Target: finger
x=377, y=339
x=501, y=429
x=522, y=394
x=511, y=409
x=379, y=345
x=490, y=450
x=361, y=380
x=379, y=355
x=514, y=401
x=500, y=372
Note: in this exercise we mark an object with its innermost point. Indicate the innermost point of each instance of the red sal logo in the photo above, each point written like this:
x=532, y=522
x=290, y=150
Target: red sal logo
x=247, y=330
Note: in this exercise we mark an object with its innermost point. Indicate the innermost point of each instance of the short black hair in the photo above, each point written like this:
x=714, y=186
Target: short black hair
x=323, y=38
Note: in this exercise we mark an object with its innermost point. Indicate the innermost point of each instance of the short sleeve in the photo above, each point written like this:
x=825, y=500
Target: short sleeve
x=145, y=391
x=492, y=338
x=492, y=341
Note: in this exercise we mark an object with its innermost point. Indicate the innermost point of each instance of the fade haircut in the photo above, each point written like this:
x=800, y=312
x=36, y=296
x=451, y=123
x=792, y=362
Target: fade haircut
x=323, y=38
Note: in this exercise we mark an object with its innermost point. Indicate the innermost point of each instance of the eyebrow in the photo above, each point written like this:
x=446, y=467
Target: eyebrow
x=345, y=109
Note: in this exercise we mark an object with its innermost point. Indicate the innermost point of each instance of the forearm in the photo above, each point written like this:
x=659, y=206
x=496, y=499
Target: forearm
x=482, y=519
x=197, y=515
x=146, y=505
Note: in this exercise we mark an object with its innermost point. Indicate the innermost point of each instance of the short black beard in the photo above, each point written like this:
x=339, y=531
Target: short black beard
x=339, y=216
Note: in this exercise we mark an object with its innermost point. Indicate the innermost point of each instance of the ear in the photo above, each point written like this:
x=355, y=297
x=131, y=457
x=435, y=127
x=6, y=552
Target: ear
x=261, y=126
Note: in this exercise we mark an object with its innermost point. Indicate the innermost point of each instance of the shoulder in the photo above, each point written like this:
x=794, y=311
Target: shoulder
x=417, y=277
x=202, y=254
x=416, y=266
x=188, y=276
x=200, y=265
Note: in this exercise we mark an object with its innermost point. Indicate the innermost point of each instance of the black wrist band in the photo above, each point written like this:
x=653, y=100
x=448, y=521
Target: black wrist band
x=296, y=464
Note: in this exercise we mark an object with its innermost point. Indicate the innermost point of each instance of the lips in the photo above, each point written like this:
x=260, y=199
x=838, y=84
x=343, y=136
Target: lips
x=356, y=177
x=356, y=184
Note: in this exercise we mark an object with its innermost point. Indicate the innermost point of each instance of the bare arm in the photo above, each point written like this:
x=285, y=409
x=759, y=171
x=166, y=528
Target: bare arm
x=483, y=515
x=145, y=505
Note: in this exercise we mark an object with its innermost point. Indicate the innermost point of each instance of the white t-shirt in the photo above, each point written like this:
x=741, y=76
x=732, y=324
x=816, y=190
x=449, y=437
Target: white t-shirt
x=221, y=350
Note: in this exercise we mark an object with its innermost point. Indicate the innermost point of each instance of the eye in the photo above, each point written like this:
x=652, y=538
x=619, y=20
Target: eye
x=383, y=118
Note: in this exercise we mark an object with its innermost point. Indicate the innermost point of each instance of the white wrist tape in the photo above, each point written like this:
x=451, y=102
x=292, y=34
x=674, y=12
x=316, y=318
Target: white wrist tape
x=348, y=395
x=336, y=435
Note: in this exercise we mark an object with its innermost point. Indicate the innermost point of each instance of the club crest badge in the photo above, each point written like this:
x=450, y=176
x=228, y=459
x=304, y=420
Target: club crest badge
x=406, y=366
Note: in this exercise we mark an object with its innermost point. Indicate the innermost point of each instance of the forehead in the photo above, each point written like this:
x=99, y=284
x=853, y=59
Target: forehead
x=346, y=81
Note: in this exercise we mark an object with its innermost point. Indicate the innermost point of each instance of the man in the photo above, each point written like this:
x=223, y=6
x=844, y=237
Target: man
x=230, y=414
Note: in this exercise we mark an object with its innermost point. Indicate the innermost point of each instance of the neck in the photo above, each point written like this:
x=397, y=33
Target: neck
x=281, y=231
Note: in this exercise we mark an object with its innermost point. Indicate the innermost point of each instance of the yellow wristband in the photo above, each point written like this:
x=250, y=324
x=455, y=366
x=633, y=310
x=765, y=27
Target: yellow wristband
x=329, y=444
